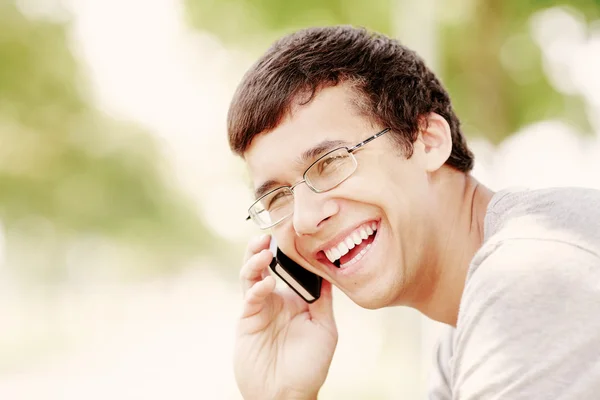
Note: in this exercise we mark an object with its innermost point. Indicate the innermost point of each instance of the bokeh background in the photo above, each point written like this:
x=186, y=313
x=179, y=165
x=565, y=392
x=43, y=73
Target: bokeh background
x=122, y=211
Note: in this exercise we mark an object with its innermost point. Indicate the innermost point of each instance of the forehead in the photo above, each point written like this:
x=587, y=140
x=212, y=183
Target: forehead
x=331, y=115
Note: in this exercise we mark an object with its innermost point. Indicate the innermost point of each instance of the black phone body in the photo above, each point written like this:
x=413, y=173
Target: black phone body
x=306, y=284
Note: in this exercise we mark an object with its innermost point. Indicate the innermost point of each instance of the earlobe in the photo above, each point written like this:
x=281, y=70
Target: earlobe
x=436, y=141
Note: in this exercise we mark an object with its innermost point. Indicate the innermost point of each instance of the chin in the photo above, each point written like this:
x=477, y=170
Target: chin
x=386, y=290
x=372, y=299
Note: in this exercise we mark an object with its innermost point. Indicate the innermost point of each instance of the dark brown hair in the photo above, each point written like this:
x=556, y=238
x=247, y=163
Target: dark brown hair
x=394, y=87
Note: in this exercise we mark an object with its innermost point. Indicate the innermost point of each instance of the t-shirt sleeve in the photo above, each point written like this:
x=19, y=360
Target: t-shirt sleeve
x=529, y=324
x=439, y=379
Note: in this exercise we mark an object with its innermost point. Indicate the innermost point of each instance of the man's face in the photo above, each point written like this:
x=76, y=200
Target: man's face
x=382, y=210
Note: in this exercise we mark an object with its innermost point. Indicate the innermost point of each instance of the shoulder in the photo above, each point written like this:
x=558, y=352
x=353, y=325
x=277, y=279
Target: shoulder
x=528, y=321
x=533, y=232
x=440, y=378
x=567, y=214
x=517, y=272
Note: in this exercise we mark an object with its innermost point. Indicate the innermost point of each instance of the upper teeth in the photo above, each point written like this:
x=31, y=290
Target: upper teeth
x=355, y=238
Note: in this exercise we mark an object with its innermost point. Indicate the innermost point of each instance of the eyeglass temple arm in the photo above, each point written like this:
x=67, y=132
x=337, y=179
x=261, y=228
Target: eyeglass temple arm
x=375, y=136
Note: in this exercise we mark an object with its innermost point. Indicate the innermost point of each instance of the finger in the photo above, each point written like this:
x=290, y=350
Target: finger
x=256, y=297
x=254, y=269
x=322, y=309
x=256, y=245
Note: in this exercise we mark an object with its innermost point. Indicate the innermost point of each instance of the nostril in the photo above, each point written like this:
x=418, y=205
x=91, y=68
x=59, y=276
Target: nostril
x=324, y=220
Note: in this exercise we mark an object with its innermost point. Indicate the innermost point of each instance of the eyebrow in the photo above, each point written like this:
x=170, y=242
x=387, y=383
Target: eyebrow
x=264, y=188
x=323, y=147
x=306, y=157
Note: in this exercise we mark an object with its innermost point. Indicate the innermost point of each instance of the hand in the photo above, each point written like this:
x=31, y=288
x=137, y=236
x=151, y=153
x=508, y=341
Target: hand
x=284, y=346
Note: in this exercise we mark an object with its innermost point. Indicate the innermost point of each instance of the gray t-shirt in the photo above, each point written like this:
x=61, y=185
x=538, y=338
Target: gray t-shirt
x=529, y=319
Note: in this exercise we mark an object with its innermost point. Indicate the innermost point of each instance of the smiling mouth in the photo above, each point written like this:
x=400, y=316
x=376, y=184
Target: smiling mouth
x=352, y=249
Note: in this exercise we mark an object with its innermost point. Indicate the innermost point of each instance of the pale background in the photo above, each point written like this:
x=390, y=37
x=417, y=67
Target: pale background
x=122, y=210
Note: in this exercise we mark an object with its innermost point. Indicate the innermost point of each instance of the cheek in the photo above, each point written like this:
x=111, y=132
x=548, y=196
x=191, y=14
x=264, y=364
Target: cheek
x=400, y=193
x=387, y=189
x=285, y=236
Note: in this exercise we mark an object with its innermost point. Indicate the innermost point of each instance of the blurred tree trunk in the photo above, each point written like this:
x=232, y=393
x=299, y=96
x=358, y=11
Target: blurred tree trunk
x=415, y=25
x=482, y=65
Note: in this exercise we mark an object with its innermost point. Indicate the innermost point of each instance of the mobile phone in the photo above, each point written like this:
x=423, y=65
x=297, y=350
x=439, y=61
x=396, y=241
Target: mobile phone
x=306, y=284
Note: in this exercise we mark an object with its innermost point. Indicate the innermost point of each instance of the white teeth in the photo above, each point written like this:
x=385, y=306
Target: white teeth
x=357, y=257
x=354, y=239
x=335, y=254
x=329, y=256
x=350, y=243
x=342, y=248
x=363, y=233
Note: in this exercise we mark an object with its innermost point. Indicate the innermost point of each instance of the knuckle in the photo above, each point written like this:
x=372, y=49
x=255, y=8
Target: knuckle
x=251, y=244
x=255, y=242
x=250, y=267
x=251, y=249
x=244, y=272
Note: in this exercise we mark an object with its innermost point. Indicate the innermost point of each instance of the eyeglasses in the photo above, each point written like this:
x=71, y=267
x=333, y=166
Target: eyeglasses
x=324, y=174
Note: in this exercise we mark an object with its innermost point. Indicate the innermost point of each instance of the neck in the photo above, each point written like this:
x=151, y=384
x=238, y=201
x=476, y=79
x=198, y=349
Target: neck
x=459, y=232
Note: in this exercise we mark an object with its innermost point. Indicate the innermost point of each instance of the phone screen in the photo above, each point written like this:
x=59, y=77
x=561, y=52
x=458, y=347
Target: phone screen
x=306, y=284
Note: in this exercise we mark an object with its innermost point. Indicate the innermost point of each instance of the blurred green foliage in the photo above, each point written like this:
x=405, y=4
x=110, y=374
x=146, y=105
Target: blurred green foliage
x=492, y=99
x=251, y=21
x=65, y=163
x=495, y=98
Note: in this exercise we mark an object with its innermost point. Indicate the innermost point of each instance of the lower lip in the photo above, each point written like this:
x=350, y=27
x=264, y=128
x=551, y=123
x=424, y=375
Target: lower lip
x=350, y=269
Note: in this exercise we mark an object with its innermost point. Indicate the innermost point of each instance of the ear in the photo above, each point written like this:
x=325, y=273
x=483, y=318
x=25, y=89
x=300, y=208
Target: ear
x=435, y=141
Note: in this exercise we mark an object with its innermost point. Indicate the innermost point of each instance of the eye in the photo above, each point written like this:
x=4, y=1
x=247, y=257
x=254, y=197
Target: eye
x=279, y=199
x=331, y=163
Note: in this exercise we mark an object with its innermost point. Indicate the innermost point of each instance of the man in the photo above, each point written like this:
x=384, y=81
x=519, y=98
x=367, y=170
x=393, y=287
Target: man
x=365, y=171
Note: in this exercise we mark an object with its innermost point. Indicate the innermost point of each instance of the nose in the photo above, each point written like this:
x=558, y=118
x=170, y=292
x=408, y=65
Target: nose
x=311, y=210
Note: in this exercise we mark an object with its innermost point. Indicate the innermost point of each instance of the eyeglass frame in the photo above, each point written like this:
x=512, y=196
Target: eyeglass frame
x=303, y=180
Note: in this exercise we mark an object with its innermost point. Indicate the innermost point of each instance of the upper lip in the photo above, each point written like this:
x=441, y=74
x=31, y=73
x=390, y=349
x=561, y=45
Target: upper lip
x=339, y=237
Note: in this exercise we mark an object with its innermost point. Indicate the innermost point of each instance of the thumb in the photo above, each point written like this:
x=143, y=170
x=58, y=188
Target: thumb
x=322, y=309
